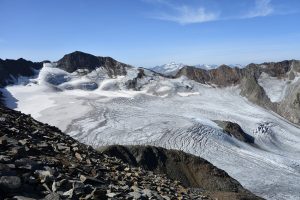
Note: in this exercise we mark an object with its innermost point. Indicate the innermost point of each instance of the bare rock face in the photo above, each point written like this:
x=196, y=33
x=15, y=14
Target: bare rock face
x=278, y=69
x=38, y=161
x=79, y=60
x=255, y=93
x=191, y=170
x=193, y=73
x=222, y=76
x=12, y=69
x=225, y=75
x=234, y=130
x=290, y=106
x=247, y=79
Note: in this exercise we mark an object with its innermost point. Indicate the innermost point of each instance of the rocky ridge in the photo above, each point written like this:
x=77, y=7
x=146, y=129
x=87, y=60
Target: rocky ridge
x=233, y=129
x=79, y=60
x=247, y=79
x=38, y=161
x=11, y=70
x=192, y=171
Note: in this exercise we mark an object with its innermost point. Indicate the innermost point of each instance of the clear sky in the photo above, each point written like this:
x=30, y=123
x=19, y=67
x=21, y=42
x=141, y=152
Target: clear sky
x=152, y=32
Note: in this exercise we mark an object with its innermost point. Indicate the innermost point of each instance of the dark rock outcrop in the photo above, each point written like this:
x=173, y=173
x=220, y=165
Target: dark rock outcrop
x=225, y=76
x=79, y=60
x=233, y=129
x=133, y=84
x=12, y=69
x=255, y=93
x=191, y=170
x=39, y=161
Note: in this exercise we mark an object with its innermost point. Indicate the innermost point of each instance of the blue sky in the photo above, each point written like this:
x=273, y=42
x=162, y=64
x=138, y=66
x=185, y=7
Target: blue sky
x=152, y=32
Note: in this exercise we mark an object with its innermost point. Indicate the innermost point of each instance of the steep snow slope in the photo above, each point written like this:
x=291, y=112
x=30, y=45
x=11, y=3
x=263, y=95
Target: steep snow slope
x=276, y=88
x=172, y=113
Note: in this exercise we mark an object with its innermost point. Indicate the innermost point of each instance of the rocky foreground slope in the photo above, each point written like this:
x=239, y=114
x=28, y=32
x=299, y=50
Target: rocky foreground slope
x=39, y=161
x=192, y=171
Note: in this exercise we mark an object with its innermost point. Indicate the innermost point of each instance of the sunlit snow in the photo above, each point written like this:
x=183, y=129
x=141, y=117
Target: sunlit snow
x=172, y=113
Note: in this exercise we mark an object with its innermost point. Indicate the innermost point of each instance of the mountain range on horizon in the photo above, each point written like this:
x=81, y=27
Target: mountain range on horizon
x=244, y=120
x=170, y=69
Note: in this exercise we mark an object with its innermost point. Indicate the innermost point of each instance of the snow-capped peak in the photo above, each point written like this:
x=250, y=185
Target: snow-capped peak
x=168, y=69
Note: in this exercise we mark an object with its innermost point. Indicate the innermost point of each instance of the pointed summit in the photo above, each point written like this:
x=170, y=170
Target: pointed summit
x=80, y=60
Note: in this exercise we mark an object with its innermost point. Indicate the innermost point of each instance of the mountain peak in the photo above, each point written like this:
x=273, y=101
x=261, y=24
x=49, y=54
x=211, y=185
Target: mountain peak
x=168, y=69
x=81, y=60
x=77, y=60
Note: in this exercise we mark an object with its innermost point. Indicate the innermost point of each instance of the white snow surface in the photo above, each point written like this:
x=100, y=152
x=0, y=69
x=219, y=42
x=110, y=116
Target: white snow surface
x=168, y=69
x=276, y=88
x=172, y=68
x=172, y=113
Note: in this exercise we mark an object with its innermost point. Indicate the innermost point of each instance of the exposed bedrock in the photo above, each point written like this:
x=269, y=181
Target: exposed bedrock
x=247, y=79
x=11, y=70
x=191, y=170
x=79, y=60
x=234, y=130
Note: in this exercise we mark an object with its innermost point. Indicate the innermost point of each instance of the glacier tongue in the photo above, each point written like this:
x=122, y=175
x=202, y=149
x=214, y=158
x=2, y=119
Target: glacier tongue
x=172, y=113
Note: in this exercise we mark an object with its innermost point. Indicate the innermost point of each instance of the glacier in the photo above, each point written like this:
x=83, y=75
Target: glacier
x=172, y=113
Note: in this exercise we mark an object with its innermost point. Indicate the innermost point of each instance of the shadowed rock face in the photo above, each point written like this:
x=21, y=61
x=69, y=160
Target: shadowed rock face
x=191, y=170
x=1, y=99
x=10, y=69
x=79, y=60
x=255, y=93
x=233, y=129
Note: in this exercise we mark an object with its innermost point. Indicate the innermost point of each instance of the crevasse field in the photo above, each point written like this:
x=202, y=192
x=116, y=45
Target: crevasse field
x=172, y=113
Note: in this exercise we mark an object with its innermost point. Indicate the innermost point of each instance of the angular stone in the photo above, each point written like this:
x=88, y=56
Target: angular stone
x=62, y=147
x=78, y=156
x=5, y=170
x=69, y=193
x=23, y=142
x=10, y=182
x=44, y=175
x=26, y=163
x=91, y=180
x=99, y=193
x=52, y=196
x=53, y=187
x=147, y=192
x=111, y=194
x=17, y=151
x=22, y=198
x=4, y=158
x=135, y=195
x=3, y=140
